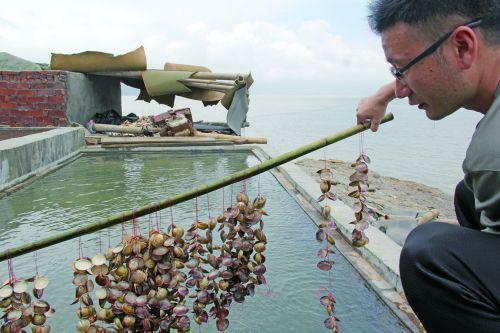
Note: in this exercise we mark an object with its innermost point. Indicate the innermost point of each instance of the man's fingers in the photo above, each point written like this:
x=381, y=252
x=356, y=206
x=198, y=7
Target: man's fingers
x=374, y=126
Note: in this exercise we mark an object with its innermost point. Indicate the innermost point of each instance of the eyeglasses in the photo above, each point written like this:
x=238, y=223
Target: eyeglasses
x=399, y=73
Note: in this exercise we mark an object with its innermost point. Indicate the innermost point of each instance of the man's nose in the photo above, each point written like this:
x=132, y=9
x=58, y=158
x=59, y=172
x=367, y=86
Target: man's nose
x=402, y=89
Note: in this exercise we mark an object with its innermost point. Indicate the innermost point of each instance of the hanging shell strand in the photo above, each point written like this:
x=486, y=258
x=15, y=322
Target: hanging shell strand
x=324, y=236
x=152, y=284
x=20, y=310
x=359, y=180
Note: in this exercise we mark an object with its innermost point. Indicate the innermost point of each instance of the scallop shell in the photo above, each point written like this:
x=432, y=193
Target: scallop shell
x=80, y=279
x=6, y=291
x=117, y=249
x=83, y=264
x=14, y=315
x=160, y=251
x=100, y=270
x=41, y=282
x=99, y=259
x=101, y=293
x=20, y=287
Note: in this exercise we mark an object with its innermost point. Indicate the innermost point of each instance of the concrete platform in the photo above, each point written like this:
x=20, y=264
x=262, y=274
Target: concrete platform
x=24, y=157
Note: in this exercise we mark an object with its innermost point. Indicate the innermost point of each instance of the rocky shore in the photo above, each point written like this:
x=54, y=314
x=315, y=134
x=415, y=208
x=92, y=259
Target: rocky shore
x=387, y=194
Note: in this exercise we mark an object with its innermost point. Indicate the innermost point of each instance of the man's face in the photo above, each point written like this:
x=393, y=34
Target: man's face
x=431, y=83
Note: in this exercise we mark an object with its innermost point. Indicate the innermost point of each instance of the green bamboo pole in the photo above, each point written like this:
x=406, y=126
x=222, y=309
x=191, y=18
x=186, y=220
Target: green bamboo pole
x=191, y=194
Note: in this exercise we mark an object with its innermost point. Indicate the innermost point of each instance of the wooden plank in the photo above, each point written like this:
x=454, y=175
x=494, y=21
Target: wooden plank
x=169, y=144
x=147, y=140
x=233, y=138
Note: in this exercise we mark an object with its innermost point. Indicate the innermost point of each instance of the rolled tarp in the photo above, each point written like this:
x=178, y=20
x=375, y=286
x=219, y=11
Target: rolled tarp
x=228, y=97
x=93, y=61
x=162, y=86
x=160, y=83
x=169, y=66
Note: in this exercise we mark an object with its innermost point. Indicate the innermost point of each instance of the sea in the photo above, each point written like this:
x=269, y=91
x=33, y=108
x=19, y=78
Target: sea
x=411, y=147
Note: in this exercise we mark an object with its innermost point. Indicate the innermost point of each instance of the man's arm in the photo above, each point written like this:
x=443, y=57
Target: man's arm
x=373, y=108
x=484, y=184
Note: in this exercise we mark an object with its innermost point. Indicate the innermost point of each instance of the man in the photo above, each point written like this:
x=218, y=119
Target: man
x=445, y=55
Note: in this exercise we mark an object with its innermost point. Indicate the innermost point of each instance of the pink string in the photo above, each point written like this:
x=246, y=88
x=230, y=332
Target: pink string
x=100, y=242
x=324, y=156
x=134, y=224
x=361, y=143
x=231, y=196
x=196, y=209
x=80, y=248
x=244, y=185
x=123, y=226
x=223, y=195
x=158, y=223
x=258, y=184
x=109, y=239
x=208, y=205
x=10, y=266
x=36, y=263
x=172, y=225
x=150, y=222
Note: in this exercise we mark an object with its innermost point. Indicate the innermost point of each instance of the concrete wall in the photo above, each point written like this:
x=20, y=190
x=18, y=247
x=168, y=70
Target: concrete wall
x=15, y=132
x=21, y=158
x=56, y=98
x=91, y=94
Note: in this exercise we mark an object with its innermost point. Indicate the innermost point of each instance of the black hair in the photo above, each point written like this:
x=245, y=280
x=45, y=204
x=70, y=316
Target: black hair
x=434, y=16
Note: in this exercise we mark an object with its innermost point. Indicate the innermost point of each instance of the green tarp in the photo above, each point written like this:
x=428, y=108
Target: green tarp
x=9, y=62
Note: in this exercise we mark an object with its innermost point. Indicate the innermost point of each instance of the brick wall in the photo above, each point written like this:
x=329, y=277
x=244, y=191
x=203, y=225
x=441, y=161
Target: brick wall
x=33, y=98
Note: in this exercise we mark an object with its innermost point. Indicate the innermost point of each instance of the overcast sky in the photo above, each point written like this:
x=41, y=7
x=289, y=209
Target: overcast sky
x=290, y=46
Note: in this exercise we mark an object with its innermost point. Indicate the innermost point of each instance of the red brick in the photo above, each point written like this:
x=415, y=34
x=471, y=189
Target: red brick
x=17, y=113
x=5, y=91
x=37, y=85
x=55, y=99
x=28, y=93
x=36, y=99
x=3, y=84
x=7, y=106
x=46, y=92
x=35, y=113
x=57, y=114
x=45, y=106
x=18, y=86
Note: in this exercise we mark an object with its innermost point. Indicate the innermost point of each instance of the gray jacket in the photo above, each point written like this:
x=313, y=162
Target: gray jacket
x=482, y=167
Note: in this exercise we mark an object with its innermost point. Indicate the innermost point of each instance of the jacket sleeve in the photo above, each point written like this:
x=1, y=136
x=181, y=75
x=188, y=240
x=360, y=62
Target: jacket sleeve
x=486, y=188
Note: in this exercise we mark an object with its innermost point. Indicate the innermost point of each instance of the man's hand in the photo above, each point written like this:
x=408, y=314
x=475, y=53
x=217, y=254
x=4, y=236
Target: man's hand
x=372, y=109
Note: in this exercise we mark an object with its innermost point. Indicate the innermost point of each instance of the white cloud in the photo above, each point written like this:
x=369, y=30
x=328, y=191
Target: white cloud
x=225, y=36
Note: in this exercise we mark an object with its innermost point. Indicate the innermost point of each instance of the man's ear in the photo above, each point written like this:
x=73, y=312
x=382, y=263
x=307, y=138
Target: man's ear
x=465, y=46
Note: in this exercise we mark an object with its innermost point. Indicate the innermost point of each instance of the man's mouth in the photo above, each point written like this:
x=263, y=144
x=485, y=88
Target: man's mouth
x=422, y=106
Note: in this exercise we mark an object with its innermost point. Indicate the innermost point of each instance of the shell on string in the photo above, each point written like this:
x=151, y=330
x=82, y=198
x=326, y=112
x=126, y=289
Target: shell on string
x=6, y=291
x=20, y=287
x=82, y=264
x=41, y=282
